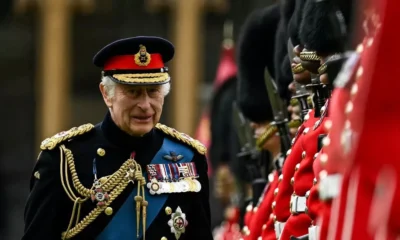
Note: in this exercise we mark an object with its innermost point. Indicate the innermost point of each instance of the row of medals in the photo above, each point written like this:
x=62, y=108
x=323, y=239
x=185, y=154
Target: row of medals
x=182, y=185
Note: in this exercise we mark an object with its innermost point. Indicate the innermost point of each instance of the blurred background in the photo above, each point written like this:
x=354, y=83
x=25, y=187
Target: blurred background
x=50, y=83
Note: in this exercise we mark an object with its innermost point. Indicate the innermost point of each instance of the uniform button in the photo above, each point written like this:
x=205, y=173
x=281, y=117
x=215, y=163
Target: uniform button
x=275, y=218
x=360, y=48
x=108, y=211
x=328, y=125
x=271, y=216
x=276, y=191
x=293, y=140
x=255, y=209
x=249, y=207
x=303, y=154
x=306, y=117
x=349, y=107
x=288, y=152
x=360, y=71
x=306, y=131
x=259, y=238
x=273, y=205
x=324, y=158
x=264, y=227
x=326, y=141
x=307, y=193
x=315, y=181
x=354, y=89
x=246, y=231
x=370, y=42
x=101, y=152
x=315, y=156
x=280, y=178
x=271, y=177
x=297, y=167
x=292, y=180
x=323, y=174
x=168, y=210
x=164, y=238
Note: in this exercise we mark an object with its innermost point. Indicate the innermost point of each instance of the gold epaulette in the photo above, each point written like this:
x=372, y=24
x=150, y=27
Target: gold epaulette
x=52, y=142
x=183, y=138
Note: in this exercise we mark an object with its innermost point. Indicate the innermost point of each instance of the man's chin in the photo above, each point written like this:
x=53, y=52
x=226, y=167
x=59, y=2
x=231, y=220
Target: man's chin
x=141, y=129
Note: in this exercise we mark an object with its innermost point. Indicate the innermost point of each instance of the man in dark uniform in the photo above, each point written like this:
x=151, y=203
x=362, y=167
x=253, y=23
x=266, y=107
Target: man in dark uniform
x=128, y=177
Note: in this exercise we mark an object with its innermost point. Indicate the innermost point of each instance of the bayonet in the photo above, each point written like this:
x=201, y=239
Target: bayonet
x=279, y=110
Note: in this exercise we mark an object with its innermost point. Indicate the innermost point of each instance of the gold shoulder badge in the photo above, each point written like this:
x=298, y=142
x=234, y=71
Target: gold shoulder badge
x=142, y=58
x=52, y=142
x=183, y=138
x=37, y=175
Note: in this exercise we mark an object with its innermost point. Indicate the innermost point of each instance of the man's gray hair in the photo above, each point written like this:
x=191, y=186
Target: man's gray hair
x=109, y=86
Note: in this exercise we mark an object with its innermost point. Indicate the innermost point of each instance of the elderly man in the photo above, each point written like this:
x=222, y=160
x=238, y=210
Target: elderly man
x=128, y=177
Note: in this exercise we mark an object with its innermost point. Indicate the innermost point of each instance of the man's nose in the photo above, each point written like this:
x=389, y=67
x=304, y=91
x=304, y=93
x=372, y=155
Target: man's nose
x=144, y=102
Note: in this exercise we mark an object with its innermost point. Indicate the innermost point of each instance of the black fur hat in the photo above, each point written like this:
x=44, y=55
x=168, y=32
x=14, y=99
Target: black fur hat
x=255, y=52
x=324, y=27
x=283, y=72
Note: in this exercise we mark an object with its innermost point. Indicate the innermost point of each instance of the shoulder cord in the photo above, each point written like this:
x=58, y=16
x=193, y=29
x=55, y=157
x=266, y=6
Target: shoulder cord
x=116, y=183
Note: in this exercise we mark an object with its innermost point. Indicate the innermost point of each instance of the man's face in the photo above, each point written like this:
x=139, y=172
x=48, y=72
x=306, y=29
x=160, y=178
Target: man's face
x=135, y=109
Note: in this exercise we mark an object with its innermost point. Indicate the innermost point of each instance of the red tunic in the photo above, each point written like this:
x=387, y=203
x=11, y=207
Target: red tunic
x=281, y=205
x=370, y=192
x=299, y=222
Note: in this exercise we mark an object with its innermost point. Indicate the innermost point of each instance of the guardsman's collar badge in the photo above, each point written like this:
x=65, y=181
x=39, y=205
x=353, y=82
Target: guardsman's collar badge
x=142, y=58
x=173, y=157
x=178, y=223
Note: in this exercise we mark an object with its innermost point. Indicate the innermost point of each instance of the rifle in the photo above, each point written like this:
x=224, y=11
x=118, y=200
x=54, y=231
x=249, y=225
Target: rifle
x=249, y=154
x=279, y=109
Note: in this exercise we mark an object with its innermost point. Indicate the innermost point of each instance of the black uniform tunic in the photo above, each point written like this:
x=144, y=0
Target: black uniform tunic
x=48, y=209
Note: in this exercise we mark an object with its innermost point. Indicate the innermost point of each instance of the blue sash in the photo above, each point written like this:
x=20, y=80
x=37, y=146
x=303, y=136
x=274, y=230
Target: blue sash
x=123, y=224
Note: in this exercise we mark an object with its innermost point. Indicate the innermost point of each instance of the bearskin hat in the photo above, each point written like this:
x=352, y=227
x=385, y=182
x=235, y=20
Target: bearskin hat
x=324, y=25
x=256, y=52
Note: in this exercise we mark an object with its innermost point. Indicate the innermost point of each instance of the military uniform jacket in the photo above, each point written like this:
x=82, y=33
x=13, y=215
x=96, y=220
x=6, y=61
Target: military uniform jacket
x=108, y=152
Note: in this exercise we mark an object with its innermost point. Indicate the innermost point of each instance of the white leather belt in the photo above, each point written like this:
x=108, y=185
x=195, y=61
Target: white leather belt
x=313, y=233
x=329, y=186
x=278, y=228
x=298, y=204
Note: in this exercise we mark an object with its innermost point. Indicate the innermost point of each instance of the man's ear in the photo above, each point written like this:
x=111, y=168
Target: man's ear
x=106, y=98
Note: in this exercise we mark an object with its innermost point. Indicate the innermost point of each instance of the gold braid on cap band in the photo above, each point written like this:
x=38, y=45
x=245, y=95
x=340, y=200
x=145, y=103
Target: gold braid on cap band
x=298, y=69
x=142, y=77
x=309, y=56
x=269, y=131
x=115, y=184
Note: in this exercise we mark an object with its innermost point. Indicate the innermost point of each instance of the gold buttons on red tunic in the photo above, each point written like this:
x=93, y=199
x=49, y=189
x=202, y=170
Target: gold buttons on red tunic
x=292, y=180
x=303, y=154
x=297, y=167
x=280, y=178
x=276, y=191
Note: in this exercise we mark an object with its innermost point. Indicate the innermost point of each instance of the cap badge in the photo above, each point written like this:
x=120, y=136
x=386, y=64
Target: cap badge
x=142, y=58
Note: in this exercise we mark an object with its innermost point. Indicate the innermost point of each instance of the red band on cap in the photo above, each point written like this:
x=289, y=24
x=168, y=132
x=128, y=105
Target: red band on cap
x=127, y=62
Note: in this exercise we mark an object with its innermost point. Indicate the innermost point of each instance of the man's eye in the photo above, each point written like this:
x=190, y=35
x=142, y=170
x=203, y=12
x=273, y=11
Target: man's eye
x=153, y=90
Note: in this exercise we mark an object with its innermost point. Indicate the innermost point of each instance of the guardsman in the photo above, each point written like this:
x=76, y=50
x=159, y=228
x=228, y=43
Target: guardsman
x=330, y=44
x=128, y=177
x=367, y=204
x=282, y=206
x=255, y=53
